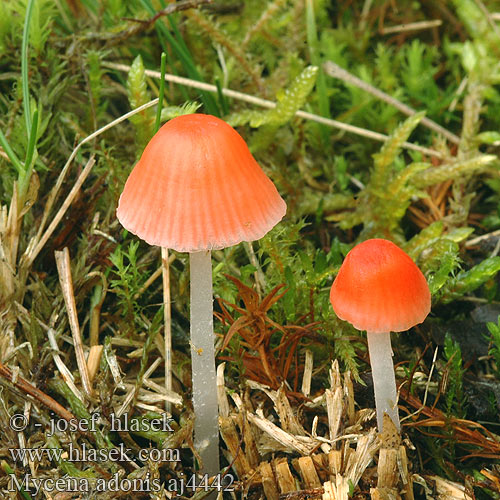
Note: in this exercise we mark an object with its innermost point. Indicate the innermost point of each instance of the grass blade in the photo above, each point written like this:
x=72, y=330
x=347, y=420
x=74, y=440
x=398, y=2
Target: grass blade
x=24, y=64
x=10, y=153
x=316, y=60
x=183, y=54
x=24, y=178
x=161, y=91
x=10, y=472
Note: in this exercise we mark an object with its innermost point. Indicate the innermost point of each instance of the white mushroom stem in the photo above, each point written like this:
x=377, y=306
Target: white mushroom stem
x=167, y=323
x=206, y=427
x=384, y=380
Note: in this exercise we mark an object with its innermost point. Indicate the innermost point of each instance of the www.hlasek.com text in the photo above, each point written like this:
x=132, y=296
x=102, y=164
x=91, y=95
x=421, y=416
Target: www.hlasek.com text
x=87, y=454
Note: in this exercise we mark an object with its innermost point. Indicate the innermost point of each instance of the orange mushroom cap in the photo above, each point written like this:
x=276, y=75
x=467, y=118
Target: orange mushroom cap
x=198, y=187
x=380, y=289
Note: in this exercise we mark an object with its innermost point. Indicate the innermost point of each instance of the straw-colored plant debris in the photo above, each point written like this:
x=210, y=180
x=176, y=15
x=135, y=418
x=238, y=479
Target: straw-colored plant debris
x=341, y=455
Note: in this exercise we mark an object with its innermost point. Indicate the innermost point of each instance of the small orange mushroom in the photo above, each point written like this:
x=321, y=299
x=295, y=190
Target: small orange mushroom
x=380, y=289
x=197, y=188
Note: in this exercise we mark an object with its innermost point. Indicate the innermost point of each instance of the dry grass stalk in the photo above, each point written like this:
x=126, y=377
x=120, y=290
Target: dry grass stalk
x=154, y=397
x=152, y=279
x=349, y=395
x=268, y=481
x=233, y=94
x=288, y=420
x=285, y=478
x=171, y=396
x=94, y=360
x=420, y=25
x=334, y=401
x=334, y=463
x=36, y=245
x=66, y=374
x=251, y=450
x=114, y=368
x=152, y=367
x=38, y=242
x=406, y=477
x=247, y=460
x=66, y=281
x=387, y=468
x=336, y=490
x=336, y=71
x=334, y=408
x=446, y=490
x=307, y=377
x=127, y=401
x=308, y=472
x=390, y=436
x=9, y=237
x=235, y=451
x=277, y=434
x=221, y=392
x=331, y=475
x=260, y=278
x=320, y=461
x=95, y=312
x=334, y=375
x=10, y=230
x=384, y=494
x=359, y=460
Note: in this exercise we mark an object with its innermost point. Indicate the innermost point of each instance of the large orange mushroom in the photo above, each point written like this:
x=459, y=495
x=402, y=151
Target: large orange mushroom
x=381, y=290
x=197, y=188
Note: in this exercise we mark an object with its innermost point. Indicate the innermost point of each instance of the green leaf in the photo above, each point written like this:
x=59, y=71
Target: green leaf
x=454, y=170
x=288, y=103
x=391, y=149
x=490, y=137
x=423, y=239
x=494, y=350
x=24, y=63
x=454, y=393
x=294, y=97
x=136, y=84
x=470, y=280
x=469, y=57
x=187, y=108
x=138, y=95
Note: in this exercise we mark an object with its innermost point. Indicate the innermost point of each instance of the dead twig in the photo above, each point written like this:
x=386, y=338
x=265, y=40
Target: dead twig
x=420, y=25
x=336, y=71
x=142, y=25
x=466, y=432
x=24, y=386
x=66, y=281
x=264, y=103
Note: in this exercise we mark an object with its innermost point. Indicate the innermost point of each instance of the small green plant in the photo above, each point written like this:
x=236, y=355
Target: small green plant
x=381, y=205
x=494, y=350
x=289, y=101
x=138, y=95
x=128, y=282
x=454, y=396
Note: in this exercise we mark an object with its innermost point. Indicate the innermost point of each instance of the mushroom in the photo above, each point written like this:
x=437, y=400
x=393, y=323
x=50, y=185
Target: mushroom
x=380, y=289
x=198, y=188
